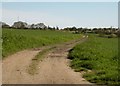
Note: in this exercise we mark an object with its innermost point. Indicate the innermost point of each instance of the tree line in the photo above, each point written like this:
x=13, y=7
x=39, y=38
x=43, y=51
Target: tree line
x=41, y=26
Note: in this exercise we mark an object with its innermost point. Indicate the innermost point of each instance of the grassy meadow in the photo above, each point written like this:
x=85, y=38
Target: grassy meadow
x=97, y=56
x=15, y=40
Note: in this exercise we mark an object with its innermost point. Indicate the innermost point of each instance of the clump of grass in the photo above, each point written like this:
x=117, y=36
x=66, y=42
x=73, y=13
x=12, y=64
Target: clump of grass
x=80, y=69
x=108, y=36
x=100, y=55
x=32, y=69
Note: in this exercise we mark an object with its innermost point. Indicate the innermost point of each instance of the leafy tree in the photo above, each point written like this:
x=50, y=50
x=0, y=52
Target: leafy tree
x=57, y=28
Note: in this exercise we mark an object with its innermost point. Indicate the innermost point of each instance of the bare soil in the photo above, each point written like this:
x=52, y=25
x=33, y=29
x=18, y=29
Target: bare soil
x=53, y=69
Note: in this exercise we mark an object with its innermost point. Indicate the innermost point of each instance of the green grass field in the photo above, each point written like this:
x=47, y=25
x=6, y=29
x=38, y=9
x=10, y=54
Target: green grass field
x=99, y=55
x=15, y=39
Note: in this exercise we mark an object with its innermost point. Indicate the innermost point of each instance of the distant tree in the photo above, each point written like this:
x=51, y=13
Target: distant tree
x=57, y=28
x=53, y=28
x=4, y=25
x=67, y=28
x=73, y=28
x=94, y=30
x=20, y=25
x=84, y=30
x=49, y=28
x=45, y=28
x=80, y=29
x=40, y=28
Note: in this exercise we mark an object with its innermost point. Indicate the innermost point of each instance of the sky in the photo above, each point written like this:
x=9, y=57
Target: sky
x=62, y=14
x=59, y=0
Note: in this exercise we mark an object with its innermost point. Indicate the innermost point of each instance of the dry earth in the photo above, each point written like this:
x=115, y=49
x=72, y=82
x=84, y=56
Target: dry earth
x=53, y=69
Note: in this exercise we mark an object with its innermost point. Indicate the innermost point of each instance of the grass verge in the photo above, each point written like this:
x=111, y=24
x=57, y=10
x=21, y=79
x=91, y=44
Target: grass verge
x=32, y=69
x=100, y=55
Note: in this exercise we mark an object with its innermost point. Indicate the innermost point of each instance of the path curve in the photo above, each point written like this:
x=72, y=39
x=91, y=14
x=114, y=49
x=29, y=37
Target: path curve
x=53, y=69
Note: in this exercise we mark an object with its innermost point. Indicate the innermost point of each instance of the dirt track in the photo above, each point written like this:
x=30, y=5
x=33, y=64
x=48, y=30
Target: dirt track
x=53, y=69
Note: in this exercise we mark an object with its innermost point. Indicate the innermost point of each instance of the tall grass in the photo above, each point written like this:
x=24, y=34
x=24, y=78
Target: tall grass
x=99, y=55
x=15, y=40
